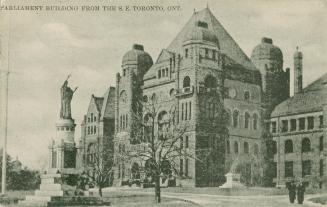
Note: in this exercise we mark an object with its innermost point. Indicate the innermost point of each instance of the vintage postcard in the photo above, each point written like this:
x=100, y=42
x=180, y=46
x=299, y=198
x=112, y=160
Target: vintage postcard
x=163, y=102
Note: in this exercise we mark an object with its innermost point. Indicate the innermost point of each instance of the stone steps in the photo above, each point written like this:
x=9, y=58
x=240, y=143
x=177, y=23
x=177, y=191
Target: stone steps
x=50, y=186
x=45, y=176
x=37, y=198
x=33, y=203
x=49, y=193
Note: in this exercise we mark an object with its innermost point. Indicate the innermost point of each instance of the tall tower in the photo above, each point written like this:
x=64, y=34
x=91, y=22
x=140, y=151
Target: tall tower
x=298, y=71
x=201, y=84
x=268, y=58
x=135, y=64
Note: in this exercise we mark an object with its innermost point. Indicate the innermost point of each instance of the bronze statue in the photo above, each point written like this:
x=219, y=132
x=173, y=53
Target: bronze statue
x=66, y=98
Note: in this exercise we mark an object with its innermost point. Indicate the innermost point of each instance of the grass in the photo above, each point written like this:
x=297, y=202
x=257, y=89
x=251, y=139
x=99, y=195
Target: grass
x=320, y=200
x=225, y=192
x=19, y=194
x=147, y=201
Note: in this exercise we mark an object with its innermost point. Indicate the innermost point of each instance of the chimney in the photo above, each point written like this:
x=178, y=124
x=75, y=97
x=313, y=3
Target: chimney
x=267, y=40
x=298, y=72
x=138, y=47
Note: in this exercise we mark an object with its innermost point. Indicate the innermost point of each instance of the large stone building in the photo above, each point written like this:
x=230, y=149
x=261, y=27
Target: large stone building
x=299, y=132
x=202, y=71
x=97, y=129
x=202, y=76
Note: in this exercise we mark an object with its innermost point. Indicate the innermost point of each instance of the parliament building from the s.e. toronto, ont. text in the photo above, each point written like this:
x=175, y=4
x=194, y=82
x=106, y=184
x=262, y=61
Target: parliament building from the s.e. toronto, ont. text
x=211, y=84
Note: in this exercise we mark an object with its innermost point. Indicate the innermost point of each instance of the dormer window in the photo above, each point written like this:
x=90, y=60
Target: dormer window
x=163, y=73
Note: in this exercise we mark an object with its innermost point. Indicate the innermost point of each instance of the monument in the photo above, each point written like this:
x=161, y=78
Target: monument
x=58, y=183
x=233, y=178
x=62, y=150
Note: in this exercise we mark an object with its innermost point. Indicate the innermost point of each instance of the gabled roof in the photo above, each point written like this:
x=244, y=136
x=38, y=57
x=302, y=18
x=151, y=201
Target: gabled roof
x=104, y=105
x=163, y=56
x=228, y=45
x=312, y=99
x=98, y=102
x=108, y=109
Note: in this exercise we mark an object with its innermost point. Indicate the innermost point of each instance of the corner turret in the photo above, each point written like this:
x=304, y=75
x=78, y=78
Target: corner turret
x=137, y=61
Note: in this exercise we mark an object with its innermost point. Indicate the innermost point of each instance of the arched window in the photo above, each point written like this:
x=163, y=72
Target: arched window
x=246, y=120
x=186, y=82
x=210, y=82
x=236, y=147
x=228, y=146
x=149, y=167
x=166, y=167
x=159, y=73
x=246, y=148
x=306, y=145
x=90, y=153
x=255, y=149
x=135, y=170
x=145, y=98
x=153, y=97
x=246, y=95
x=122, y=98
x=235, y=118
x=163, y=124
x=172, y=93
x=288, y=146
x=227, y=117
x=147, y=127
x=255, y=121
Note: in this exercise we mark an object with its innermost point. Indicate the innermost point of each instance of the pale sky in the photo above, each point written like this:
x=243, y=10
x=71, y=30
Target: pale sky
x=45, y=47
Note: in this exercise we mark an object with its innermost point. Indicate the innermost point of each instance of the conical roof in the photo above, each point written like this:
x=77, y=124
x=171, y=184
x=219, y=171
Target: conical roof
x=228, y=46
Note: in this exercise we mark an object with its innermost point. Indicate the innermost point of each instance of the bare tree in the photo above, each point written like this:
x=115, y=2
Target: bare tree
x=156, y=139
x=101, y=162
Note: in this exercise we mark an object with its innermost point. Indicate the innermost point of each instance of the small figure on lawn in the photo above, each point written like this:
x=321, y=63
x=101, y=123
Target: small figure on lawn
x=292, y=191
x=300, y=192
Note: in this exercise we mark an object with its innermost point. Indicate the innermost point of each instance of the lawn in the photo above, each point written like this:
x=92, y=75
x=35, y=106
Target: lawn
x=225, y=192
x=320, y=200
x=19, y=194
x=147, y=201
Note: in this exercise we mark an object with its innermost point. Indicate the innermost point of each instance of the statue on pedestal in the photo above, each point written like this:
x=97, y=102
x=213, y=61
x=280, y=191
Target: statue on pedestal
x=66, y=98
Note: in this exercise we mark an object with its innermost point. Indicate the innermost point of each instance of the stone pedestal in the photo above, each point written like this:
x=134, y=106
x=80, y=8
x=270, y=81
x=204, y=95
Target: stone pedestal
x=51, y=186
x=232, y=181
x=63, y=150
x=61, y=176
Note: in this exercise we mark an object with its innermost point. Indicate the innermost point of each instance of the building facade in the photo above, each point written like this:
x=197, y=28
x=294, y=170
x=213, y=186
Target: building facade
x=203, y=75
x=206, y=81
x=299, y=132
x=97, y=131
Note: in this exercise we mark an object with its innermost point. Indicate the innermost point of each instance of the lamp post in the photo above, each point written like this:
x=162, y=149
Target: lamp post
x=5, y=126
x=4, y=104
